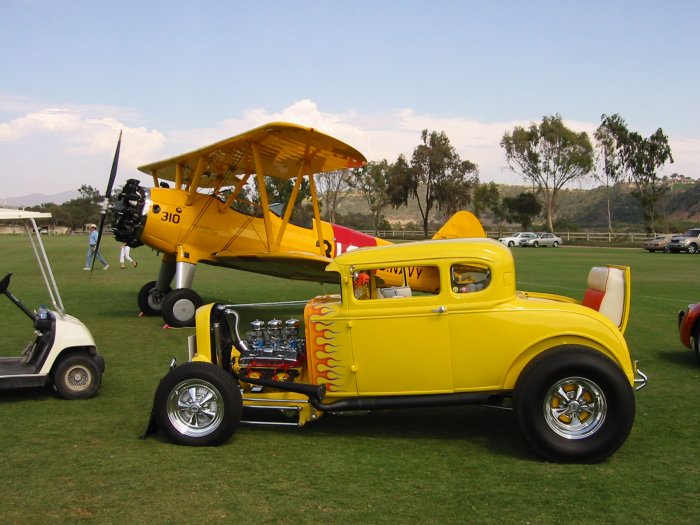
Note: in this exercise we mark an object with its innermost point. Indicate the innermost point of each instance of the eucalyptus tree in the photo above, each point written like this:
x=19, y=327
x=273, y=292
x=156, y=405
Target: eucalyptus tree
x=436, y=177
x=610, y=163
x=641, y=158
x=549, y=155
x=522, y=209
x=332, y=188
x=372, y=181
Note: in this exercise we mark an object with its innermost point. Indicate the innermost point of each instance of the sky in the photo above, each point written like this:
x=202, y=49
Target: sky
x=177, y=75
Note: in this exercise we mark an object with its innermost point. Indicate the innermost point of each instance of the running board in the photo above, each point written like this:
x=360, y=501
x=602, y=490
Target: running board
x=275, y=412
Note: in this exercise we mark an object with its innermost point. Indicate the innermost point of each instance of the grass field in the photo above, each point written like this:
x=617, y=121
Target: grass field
x=82, y=461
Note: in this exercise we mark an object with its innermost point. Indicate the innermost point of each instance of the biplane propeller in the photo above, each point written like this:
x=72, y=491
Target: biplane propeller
x=197, y=220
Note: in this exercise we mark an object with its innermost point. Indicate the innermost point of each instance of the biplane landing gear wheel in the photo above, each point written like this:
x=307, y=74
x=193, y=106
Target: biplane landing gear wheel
x=179, y=307
x=150, y=299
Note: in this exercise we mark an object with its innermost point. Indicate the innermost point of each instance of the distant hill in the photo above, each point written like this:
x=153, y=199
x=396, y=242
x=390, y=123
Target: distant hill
x=35, y=199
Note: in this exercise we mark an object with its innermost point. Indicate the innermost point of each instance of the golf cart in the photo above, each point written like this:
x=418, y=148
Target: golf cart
x=63, y=354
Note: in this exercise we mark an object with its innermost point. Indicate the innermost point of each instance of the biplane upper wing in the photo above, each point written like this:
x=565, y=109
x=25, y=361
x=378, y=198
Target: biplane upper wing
x=279, y=148
x=291, y=265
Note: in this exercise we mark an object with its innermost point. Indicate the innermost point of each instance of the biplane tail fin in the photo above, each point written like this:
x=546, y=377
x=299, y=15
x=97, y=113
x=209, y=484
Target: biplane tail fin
x=461, y=224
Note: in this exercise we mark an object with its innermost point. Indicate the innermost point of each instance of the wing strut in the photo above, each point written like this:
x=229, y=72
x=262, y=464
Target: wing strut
x=264, y=201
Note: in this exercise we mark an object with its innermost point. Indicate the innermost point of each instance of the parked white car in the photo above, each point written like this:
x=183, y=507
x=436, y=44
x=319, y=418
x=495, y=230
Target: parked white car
x=514, y=240
x=542, y=239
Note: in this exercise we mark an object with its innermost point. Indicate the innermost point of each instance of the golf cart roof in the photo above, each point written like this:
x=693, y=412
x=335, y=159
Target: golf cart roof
x=9, y=214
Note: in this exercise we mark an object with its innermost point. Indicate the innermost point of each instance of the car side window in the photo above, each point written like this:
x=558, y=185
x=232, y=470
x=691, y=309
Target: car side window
x=395, y=282
x=467, y=278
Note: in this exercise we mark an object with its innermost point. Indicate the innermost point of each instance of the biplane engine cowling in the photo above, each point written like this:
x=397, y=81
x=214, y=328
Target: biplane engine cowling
x=128, y=214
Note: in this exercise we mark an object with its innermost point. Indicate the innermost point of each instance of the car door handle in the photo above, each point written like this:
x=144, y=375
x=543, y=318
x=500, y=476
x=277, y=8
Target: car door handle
x=440, y=310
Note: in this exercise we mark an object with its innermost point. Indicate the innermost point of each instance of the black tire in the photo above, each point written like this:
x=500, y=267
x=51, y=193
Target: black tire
x=693, y=248
x=510, y=244
x=555, y=244
x=536, y=244
x=77, y=376
x=198, y=404
x=667, y=250
x=594, y=420
x=179, y=307
x=150, y=299
x=696, y=340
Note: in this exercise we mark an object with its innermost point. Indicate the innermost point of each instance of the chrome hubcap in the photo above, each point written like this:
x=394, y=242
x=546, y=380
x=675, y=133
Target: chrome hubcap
x=575, y=407
x=195, y=408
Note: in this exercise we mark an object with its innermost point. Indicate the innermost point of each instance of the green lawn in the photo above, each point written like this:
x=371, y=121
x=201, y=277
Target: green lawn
x=82, y=461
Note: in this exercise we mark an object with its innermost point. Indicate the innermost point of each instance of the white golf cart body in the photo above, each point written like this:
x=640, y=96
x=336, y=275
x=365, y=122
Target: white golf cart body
x=64, y=353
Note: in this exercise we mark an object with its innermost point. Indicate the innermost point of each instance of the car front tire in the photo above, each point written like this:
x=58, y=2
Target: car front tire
x=574, y=404
x=198, y=404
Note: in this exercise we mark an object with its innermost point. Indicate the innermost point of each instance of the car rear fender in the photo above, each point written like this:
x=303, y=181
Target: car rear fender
x=621, y=356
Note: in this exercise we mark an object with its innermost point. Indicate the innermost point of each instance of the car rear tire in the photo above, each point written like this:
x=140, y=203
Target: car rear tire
x=198, y=404
x=574, y=404
x=536, y=244
x=693, y=248
x=555, y=244
x=511, y=244
x=77, y=376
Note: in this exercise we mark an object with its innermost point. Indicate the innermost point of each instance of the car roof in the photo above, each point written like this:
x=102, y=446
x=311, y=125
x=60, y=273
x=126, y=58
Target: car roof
x=485, y=249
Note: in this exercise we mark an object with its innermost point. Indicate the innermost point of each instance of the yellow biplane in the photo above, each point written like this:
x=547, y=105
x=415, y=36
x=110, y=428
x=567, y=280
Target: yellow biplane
x=197, y=220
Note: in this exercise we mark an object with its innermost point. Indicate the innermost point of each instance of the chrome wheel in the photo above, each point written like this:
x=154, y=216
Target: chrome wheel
x=575, y=408
x=195, y=408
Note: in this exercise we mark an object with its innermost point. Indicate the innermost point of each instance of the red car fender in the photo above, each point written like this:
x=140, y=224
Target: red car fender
x=687, y=324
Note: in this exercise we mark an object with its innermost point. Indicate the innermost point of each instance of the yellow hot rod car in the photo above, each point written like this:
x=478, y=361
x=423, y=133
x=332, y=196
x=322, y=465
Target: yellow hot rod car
x=420, y=324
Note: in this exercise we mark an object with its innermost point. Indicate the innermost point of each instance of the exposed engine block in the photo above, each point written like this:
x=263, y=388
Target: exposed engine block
x=274, y=350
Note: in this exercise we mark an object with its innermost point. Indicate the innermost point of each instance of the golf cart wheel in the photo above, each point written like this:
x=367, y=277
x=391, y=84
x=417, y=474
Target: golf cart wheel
x=574, y=404
x=77, y=376
x=179, y=307
x=198, y=404
x=150, y=299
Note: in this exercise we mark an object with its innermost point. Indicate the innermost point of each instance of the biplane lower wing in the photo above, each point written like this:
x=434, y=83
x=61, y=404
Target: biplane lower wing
x=290, y=265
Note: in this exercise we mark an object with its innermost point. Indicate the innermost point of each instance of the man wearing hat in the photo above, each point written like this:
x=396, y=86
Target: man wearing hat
x=92, y=249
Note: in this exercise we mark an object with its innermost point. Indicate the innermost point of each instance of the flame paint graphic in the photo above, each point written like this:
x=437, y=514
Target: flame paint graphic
x=326, y=361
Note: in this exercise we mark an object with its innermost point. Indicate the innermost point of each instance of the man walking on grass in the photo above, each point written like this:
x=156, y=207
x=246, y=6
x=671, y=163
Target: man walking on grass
x=92, y=250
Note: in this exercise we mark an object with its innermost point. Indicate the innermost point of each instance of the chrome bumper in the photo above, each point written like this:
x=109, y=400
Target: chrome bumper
x=640, y=378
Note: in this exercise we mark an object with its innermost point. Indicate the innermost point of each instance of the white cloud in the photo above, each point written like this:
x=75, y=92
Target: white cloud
x=53, y=149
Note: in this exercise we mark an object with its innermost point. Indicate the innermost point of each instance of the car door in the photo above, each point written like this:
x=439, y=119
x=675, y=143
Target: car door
x=400, y=342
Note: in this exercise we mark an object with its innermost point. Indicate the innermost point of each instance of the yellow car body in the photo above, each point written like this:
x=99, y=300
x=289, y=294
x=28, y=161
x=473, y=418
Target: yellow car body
x=435, y=323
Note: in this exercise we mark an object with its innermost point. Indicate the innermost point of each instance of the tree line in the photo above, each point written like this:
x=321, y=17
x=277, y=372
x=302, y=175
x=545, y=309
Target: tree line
x=546, y=155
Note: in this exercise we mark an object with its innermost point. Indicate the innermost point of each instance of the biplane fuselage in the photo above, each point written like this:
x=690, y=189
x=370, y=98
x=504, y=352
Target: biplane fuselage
x=208, y=231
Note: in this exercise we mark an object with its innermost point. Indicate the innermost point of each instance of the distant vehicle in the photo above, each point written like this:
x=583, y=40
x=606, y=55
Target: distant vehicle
x=514, y=240
x=542, y=239
x=687, y=242
x=658, y=244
